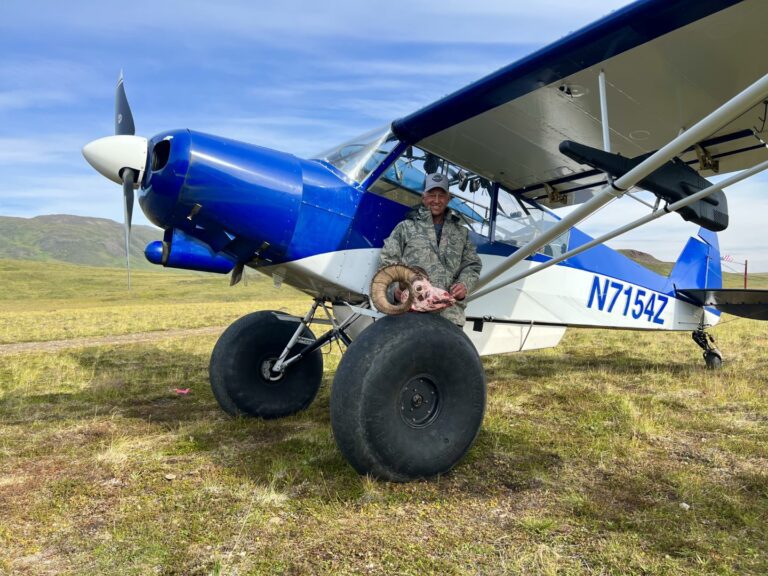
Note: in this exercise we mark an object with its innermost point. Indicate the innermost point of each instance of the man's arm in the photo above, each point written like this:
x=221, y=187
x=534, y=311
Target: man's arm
x=394, y=246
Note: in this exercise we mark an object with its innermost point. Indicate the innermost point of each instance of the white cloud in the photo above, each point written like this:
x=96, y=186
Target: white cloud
x=34, y=82
x=67, y=192
x=299, y=135
x=46, y=149
x=287, y=21
x=21, y=99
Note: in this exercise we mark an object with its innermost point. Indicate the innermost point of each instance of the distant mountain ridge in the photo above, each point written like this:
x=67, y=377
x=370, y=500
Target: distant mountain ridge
x=73, y=239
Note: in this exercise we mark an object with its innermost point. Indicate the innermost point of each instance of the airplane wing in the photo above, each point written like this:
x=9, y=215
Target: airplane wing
x=667, y=64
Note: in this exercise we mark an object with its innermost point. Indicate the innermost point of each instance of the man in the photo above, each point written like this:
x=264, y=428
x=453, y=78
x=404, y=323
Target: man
x=432, y=237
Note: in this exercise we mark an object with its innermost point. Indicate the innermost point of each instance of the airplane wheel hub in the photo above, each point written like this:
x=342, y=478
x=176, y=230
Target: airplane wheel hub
x=419, y=401
x=267, y=373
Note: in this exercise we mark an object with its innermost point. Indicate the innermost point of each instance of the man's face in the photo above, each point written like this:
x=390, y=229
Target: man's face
x=436, y=200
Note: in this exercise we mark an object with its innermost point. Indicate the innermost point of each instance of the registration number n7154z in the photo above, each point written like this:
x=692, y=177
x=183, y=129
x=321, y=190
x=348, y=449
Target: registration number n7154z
x=616, y=297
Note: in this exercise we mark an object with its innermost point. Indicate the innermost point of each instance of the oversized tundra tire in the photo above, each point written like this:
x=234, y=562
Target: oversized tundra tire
x=240, y=368
x=408, y=398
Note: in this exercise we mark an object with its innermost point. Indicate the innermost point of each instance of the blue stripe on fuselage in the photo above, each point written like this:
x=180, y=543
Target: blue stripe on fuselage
x=598, y=259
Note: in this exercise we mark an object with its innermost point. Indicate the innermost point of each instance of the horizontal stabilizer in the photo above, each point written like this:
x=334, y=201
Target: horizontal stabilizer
x=674, y=181
x=745, y=303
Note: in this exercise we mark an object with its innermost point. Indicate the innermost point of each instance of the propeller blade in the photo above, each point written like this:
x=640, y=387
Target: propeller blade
x=123, y=117
x=128, y=177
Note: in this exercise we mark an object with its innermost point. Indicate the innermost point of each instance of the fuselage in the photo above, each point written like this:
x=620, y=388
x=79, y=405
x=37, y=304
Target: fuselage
x=318, y=225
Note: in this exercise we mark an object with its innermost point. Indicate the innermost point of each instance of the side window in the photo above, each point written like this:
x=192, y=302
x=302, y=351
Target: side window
x=518, y=222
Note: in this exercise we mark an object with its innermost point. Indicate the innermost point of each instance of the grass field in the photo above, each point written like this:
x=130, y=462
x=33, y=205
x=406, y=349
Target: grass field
x=614, y=453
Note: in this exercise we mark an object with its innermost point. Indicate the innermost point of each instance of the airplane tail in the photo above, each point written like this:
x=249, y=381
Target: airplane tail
x=698, y=266
x=697, y=277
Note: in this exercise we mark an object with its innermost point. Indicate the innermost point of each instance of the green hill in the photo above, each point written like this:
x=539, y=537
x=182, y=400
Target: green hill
x=74, y=239
x=651, y=262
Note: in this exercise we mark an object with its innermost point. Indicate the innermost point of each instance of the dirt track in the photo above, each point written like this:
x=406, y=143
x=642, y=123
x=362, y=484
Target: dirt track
x=55, y=345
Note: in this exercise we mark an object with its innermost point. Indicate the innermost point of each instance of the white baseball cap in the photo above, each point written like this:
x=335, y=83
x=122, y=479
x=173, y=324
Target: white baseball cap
x=436, y=181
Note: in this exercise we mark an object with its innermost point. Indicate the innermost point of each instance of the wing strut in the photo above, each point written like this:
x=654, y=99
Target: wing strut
x=726, y=113
x=626, y=228
x=604, y=112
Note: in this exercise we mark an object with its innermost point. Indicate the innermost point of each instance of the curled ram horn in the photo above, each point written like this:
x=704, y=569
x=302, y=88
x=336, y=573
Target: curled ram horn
x=384, y=278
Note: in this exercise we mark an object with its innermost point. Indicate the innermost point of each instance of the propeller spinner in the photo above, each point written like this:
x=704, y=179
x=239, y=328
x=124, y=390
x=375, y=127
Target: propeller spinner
x=122, y=159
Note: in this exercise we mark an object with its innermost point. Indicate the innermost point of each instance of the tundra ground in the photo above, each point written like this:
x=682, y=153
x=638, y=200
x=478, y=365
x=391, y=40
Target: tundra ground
x=615, y=453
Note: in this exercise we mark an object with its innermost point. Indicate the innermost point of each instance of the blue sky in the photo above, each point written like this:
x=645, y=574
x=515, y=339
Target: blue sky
x=298, y=76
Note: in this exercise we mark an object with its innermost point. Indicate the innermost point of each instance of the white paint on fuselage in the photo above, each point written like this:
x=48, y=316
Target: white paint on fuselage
x=489, y=338
x=556, y=297
x=561, y=295
x=497, y=338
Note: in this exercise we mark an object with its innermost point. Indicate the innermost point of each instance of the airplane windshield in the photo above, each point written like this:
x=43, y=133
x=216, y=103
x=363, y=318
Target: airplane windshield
x=359, y=157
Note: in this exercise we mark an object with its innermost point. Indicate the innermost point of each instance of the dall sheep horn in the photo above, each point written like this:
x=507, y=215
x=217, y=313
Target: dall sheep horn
x=384, y=278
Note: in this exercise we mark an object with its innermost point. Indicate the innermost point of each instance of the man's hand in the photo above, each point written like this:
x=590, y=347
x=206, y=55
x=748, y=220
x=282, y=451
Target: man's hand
x=458, y=291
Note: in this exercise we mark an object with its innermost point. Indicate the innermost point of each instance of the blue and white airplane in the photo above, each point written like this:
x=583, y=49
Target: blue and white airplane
x=658, y=95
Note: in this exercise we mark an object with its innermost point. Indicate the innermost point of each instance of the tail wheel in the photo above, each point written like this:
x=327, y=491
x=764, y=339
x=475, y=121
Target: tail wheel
x=408, y=398
x=240, y=368
x=713, y=360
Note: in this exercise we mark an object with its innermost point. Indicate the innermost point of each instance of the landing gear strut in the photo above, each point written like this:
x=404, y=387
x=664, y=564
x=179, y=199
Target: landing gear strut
x=408, y=397
x=712, y=356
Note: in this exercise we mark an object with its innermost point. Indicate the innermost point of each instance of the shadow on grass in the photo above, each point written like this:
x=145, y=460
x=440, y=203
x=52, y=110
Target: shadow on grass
x=135, y=387
x=508, y=462
x=295, y=460
x=619, y=362
x=689, y=513
x=137, y=381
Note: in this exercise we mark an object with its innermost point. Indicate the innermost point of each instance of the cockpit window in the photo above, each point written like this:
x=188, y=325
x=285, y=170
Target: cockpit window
x=518, y=220
x=403, y=182
x=361, y=156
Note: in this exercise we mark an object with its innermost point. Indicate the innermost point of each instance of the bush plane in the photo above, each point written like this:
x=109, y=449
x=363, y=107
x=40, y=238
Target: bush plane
x=657, y=96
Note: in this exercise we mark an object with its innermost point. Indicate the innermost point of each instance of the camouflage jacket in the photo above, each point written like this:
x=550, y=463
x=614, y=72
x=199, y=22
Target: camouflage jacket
x=413, y=242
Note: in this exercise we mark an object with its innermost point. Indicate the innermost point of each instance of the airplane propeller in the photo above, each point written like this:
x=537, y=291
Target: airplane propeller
x=122, y=159
x=128, y=179
x=124, y=126
x=123, y=116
